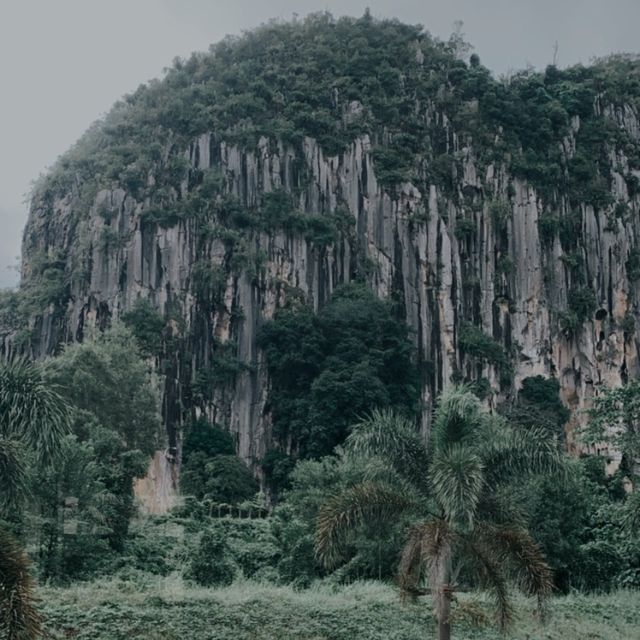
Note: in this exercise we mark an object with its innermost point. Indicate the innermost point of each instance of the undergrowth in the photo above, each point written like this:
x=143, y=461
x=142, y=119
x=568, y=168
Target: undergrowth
x=146, y=607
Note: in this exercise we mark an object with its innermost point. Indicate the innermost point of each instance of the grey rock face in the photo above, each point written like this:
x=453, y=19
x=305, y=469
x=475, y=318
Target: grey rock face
x=408, y=237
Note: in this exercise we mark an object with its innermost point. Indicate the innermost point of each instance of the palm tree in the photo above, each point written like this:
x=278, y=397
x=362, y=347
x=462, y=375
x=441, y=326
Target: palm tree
x=449, y=493
x=33, y=418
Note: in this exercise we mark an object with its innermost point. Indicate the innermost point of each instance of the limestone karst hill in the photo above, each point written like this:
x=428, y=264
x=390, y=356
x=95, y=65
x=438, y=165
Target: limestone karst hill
x=499, y=216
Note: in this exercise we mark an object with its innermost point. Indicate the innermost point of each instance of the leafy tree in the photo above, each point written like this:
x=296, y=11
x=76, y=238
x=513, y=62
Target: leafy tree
x=107, y=378
x=328, y=369
x=33, y=419
x=115, y=410
x=211, y=470
x=579, y=522
x=277, y=467
x=206, y=438
x=69, y=512
x=451, y=492
x=219, y=478
x=615, y=419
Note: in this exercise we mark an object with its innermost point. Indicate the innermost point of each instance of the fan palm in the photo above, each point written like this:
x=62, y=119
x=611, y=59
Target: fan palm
x=450, y=494
x=33, y=417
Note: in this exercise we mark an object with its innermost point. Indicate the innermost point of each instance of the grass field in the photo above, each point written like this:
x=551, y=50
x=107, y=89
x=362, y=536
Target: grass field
x=168, y=609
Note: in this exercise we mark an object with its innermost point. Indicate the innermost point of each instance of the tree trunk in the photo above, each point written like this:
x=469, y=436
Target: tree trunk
x=444, y=612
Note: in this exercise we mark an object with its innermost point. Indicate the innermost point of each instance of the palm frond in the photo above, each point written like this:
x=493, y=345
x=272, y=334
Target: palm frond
x=391, y=436
x=457, y=478
x=509, y=453
x=412, y=560
x=427, y=553
x=31, y=409
x=12, y=474
x=344, y=512
x=457, y=416
x=521, y=557
x=491, y=575
x=18, y=616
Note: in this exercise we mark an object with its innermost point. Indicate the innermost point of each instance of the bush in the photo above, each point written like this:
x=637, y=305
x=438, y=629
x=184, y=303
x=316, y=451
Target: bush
x=206, y=438
x=147, y=326
x=544, y=393
x=210, y=565
x=475, y=343
x=582, y=303
x=633, y=264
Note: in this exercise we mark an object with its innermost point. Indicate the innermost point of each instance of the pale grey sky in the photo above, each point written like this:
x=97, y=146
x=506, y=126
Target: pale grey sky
x=64, y=62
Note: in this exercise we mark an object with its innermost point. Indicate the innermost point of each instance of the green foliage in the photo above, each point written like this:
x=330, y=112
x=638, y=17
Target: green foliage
x=539, y=405
x=394, y=165
x=206, y=438
x=475, y=343
x=75, y=513
x=33, y=411
x=328, y=369
x=33, y=422
x=147, y=325
x=219, y=478
x=583, y=303
x=317, y=70
x=115, y=419
x=46, y=284
x=548, y=226
x=579, y=524
x=277, y=467
x=251, y=546
x=170, y=609
x=450, y=494
x=107, y=378
x=371, y=551
x=633, y=264
x=210, y=565
x=615, y=418
x=210, y=470
x=18, y=615
x=465, y=228
x=500, y=212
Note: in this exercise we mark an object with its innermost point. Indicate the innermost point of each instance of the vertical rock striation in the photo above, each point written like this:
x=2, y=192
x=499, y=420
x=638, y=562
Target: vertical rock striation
x=500, y=275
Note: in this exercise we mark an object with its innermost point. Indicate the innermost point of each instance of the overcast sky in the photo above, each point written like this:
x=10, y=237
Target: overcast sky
x=64, y=62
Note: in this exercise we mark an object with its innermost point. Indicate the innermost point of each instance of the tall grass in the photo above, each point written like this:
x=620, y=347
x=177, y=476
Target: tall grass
x=146, y=607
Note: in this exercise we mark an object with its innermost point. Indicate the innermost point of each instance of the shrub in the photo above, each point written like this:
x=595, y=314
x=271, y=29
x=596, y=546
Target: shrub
x=582, y=303
x=465, y=228
x=500, y=211
x=548, y=226
x=474, y=342
x=633, y=264
x=210, y=565
x=210, y=439
x=219, y=478
x=147, y=326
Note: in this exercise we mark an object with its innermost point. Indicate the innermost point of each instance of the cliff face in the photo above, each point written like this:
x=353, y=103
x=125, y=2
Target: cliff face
x=481, y=251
